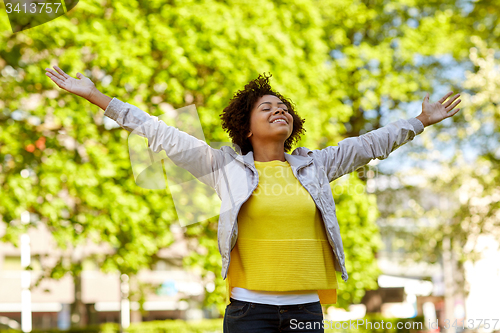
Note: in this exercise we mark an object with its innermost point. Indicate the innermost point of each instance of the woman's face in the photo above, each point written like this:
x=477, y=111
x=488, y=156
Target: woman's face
x=263, y=124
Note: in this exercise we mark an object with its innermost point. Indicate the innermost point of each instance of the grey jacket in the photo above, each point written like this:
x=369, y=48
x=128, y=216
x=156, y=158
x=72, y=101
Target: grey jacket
x=234, y=176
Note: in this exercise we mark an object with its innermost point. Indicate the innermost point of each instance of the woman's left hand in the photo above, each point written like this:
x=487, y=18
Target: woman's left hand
x=435, y=112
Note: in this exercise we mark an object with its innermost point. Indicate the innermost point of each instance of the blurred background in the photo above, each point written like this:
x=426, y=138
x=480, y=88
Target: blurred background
x=84, y=248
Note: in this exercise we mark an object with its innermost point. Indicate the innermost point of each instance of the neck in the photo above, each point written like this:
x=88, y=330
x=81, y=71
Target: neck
x=270, y=151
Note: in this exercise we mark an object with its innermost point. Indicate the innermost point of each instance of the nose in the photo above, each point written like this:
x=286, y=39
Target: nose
x=278, y=110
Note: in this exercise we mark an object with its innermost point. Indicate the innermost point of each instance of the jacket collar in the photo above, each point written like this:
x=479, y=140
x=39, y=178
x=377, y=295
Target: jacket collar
x=298, y=158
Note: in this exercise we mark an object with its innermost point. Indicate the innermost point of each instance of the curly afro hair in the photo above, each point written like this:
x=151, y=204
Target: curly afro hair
x=236, y=116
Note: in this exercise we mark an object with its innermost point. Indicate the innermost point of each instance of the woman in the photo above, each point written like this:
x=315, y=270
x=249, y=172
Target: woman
x=279, y=226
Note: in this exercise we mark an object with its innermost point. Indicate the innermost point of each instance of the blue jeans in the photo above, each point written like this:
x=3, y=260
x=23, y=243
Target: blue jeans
x=248, y=317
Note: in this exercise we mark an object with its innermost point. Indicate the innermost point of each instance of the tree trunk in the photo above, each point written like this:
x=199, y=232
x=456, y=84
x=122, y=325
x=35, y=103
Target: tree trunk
x=78, y=310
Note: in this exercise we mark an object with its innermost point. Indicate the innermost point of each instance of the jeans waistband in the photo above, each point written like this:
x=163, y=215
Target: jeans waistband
x=290, y=306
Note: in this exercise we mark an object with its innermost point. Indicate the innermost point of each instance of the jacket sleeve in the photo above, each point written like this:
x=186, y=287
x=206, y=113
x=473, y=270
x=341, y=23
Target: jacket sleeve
x=186, y=151
x=352, y=153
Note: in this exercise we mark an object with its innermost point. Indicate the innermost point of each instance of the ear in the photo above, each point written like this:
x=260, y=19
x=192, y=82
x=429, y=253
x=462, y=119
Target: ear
x=249, y=134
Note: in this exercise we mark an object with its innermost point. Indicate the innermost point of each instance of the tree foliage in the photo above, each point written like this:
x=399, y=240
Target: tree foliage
x=469, y=179
x=343, y=63
x=463, y=152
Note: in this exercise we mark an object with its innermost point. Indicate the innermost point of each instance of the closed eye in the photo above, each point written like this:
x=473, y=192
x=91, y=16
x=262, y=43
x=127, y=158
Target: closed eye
x=270, y=109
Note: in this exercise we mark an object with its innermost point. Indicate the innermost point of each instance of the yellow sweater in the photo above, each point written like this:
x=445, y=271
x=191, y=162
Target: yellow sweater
x=282, y=244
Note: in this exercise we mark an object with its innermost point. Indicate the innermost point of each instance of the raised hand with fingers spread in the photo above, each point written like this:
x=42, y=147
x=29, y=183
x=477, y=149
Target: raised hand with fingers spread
x=83, y=87
x=435, y=112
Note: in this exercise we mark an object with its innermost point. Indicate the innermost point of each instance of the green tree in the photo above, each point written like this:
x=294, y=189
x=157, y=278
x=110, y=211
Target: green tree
x=470, y=181
x=158, y=55
x=383, y=55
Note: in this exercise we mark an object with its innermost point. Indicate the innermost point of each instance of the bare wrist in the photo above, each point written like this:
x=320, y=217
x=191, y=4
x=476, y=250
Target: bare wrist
x=98, y=98
x=91, y=96
x=422, y=120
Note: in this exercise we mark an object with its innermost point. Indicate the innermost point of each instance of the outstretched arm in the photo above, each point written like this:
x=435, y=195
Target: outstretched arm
x=354, y=152
x=186, y=151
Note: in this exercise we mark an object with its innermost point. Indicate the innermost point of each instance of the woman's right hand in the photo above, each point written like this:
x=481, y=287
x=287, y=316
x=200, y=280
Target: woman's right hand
x=82, y=87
